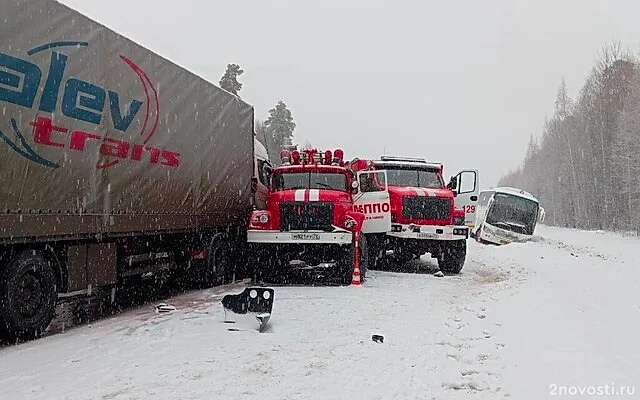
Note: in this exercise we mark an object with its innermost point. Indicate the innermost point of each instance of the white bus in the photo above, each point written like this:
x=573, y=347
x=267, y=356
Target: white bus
x=505, y=215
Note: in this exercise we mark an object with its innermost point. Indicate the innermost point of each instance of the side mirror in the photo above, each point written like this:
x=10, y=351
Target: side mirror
x=354, y=186
x=453, y=183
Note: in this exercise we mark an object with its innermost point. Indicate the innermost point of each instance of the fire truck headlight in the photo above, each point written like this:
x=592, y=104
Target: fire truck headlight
x=260, y=217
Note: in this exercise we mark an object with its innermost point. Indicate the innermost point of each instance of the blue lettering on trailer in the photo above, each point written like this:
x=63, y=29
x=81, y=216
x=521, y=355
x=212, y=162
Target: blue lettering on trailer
x=81, y=100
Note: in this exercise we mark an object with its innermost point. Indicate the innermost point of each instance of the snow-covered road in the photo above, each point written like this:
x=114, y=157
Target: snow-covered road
x=563, y=311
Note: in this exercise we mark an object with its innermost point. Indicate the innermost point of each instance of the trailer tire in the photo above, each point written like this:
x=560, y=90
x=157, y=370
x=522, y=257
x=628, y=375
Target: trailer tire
x=453, y=256
x=28, y=296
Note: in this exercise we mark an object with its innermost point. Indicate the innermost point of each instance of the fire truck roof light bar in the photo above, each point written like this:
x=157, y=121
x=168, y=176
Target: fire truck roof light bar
x=291, y=156
x=411, y=159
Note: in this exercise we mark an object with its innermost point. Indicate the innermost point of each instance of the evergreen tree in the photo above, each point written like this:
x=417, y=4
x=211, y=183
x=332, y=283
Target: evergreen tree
x=280, y=125
x=229, y=80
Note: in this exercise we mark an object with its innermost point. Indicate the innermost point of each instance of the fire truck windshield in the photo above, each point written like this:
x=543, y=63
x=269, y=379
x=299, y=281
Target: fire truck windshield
x=513, y=213
x=309, y=180
x=413, y=177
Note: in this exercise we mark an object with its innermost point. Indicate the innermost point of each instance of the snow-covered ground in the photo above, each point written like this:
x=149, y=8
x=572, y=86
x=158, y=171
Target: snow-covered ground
x=518, y=320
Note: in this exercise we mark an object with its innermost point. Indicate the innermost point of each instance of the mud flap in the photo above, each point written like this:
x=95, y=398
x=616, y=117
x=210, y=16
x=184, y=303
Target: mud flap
x=244, y=310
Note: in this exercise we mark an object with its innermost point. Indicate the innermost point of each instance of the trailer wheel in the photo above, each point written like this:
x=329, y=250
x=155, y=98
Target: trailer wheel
x=219, y=267
x=28, y=296
x=452, y=256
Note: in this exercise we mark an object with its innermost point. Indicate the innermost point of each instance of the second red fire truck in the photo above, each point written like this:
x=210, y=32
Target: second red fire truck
x=427, y=215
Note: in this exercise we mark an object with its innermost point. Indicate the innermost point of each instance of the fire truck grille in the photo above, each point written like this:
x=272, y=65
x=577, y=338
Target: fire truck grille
x=432, y=208
x=306, y=216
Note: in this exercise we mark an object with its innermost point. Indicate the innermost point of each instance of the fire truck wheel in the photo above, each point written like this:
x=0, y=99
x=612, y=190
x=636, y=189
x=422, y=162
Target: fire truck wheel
x=364, y=257
x=375, y=259
x=219, y=267
x=453, y=256
x=28, y=296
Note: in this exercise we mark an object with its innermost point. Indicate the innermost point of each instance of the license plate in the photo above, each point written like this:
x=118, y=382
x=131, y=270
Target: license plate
x=425, y=235
x=305, y=236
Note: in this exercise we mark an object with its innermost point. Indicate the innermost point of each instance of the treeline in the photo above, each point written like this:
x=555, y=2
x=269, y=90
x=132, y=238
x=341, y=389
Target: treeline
x=277, y=130
x=585, y=168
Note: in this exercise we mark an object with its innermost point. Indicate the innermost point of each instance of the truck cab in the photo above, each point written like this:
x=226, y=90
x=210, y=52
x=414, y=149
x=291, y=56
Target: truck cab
x=309, y=220
x=427, y=214
x=261, y=171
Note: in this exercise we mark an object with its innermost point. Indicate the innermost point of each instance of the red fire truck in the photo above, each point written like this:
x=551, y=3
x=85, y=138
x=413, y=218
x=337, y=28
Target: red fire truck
x=427, y=215
x=310, y=220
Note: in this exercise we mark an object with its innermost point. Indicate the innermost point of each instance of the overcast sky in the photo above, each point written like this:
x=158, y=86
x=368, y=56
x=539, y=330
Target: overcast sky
x=462, y=82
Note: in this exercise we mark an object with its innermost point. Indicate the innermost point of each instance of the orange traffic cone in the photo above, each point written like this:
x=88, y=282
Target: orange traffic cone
x=355, y=277
x=355, y=280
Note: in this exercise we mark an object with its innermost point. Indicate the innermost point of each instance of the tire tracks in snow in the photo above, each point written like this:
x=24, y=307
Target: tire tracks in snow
x=471, y=339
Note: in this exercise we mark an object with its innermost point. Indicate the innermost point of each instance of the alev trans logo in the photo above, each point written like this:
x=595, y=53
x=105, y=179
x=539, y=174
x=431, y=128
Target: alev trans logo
x=23, y=83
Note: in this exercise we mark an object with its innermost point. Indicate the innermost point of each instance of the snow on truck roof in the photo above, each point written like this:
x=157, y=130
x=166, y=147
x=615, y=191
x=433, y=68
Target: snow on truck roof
x=514, y=191
x=406, y=162
x=261, y=151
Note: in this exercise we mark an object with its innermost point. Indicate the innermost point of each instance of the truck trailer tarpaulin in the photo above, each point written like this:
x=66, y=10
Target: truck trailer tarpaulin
x=99, y=135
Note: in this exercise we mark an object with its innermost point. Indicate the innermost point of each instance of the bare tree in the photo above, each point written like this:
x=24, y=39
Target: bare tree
x=584, y=167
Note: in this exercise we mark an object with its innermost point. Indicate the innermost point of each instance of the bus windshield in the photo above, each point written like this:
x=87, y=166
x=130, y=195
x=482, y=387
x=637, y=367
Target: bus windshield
x=513, y=213
x=415, y=178
x=309, y=180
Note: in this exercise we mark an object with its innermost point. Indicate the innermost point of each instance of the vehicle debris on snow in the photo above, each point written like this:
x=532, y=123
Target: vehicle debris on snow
x=164, y=308
x=245, y=308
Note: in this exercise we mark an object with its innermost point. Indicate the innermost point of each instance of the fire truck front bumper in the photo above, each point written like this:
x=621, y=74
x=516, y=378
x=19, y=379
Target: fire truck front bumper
x=309, y=237
x=429, y=232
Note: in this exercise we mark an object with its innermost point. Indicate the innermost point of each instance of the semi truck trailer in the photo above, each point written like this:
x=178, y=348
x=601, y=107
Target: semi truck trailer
x=114, y=163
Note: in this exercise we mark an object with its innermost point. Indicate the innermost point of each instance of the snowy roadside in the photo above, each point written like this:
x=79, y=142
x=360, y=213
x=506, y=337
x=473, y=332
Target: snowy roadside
x=573, y=328
x=517, y=320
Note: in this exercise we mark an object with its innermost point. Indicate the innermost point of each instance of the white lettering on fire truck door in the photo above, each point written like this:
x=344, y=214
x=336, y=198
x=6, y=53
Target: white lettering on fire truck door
x=373, y=201
x=373, y=211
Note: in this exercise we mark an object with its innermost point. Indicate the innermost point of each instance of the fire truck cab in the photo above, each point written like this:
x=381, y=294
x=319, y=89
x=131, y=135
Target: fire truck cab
x=427, y=215
x=313, y=206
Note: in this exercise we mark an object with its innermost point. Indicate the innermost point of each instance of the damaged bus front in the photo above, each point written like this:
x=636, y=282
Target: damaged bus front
x=506, y=215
